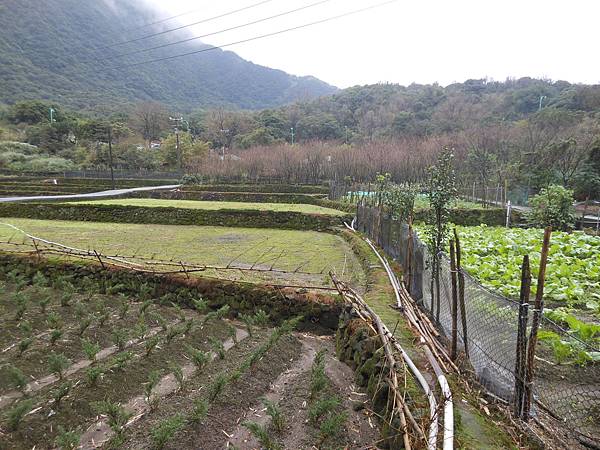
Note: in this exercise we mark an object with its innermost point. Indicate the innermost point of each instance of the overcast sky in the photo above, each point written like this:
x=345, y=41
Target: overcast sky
x=422, y=41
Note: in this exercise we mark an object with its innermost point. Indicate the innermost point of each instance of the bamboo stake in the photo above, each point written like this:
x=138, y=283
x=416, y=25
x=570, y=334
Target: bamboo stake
x=454, y=308
x=461, y=293
x=521, y=336
x=537, y=314
x=99, y=259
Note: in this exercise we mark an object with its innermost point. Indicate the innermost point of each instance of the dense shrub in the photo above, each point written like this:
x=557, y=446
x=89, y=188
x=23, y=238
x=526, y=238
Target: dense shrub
x=552, y=207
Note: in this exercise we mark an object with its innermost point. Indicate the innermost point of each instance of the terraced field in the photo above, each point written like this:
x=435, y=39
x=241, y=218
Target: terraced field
x=311, y=254
x=212, y=206
x=94, y=367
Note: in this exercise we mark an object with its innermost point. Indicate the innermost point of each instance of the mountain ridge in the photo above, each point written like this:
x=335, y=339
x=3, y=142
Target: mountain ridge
x=45, y=50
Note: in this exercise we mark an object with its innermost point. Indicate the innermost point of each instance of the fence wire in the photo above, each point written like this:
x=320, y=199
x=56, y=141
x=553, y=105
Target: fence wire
x=569, y=392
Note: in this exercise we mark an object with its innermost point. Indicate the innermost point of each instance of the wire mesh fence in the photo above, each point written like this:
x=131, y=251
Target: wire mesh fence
x=568, y=390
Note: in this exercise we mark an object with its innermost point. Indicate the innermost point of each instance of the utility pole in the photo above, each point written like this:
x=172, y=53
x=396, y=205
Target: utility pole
x=292, y=130
x=178, y=121
x=110, y=158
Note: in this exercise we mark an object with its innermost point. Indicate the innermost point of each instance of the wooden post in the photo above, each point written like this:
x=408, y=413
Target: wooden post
x=454, y=299
x=184, y=270
x=535, y=323
x=99, y=259
x=37, y=250
x=522, y=337
x=461, y=293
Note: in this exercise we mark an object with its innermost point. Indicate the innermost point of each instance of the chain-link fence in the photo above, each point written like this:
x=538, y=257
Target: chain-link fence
x=569, y=390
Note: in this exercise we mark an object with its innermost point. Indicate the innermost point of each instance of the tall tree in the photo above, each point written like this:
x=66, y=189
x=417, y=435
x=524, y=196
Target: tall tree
x=150, y=119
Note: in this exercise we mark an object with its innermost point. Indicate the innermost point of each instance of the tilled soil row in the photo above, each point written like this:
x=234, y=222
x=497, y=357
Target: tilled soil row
x=100, y=432
x=118, y=384
x=291, y=392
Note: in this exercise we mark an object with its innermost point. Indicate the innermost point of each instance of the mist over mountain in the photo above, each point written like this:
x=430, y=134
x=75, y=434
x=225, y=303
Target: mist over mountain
x=57, y=50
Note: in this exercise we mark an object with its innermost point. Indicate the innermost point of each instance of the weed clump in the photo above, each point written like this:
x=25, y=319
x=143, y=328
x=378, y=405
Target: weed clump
x=217, y=387
x=90, y=349
x=15, y=415
x=318, y=379
x=61, y=392
x=262, y=434
x=277, y=419
x=67, y=440
x=153, y=379
x=218, y=347
x=119, y=338
x=55, y=335
x=150, y=345
x=198, y=357
x=58, y=363
x=165, y=430
x=17, y=378
x=92, y=375
x=117, y=415
x=200, y=410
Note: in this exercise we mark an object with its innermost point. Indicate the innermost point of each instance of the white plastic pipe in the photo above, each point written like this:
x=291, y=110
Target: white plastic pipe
x=448, y=404
x=433, y=427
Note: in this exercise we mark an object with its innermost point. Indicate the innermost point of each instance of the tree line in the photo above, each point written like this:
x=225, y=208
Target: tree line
x=528, y=133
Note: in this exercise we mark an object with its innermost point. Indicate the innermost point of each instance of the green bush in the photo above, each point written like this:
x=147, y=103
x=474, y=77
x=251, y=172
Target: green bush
x=552, y=207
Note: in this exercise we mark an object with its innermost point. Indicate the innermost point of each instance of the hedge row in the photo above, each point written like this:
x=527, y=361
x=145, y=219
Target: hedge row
x=171, y=216
x=281, y=304
x=265, y=188
x=253, y=197
x=475, y=217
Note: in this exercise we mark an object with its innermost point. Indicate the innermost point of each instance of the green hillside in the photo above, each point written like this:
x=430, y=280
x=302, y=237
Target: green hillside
x=52, y=49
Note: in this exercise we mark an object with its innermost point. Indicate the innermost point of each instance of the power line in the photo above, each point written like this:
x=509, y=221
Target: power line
x=164, y=20
x=275, y=33
x=218, y=32
x=254, y=5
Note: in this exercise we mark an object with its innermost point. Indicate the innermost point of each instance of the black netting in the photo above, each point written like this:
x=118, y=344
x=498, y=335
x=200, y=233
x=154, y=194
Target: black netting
x=570, y=392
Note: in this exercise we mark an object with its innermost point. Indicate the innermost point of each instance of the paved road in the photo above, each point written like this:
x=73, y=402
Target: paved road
x=590, y=220
x=110, y=193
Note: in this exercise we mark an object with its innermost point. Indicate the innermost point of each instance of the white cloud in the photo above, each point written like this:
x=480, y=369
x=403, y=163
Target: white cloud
x=425, y=41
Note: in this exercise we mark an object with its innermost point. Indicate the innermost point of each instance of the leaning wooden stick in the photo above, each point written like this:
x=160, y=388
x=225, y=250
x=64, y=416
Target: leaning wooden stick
x=537, y=315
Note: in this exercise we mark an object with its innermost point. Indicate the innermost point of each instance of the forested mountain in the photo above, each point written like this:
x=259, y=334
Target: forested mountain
x=391, y=110
x=56, y=50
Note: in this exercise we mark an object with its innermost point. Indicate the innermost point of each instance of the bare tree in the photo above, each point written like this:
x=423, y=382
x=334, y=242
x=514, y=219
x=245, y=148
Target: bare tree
x=150, y=119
